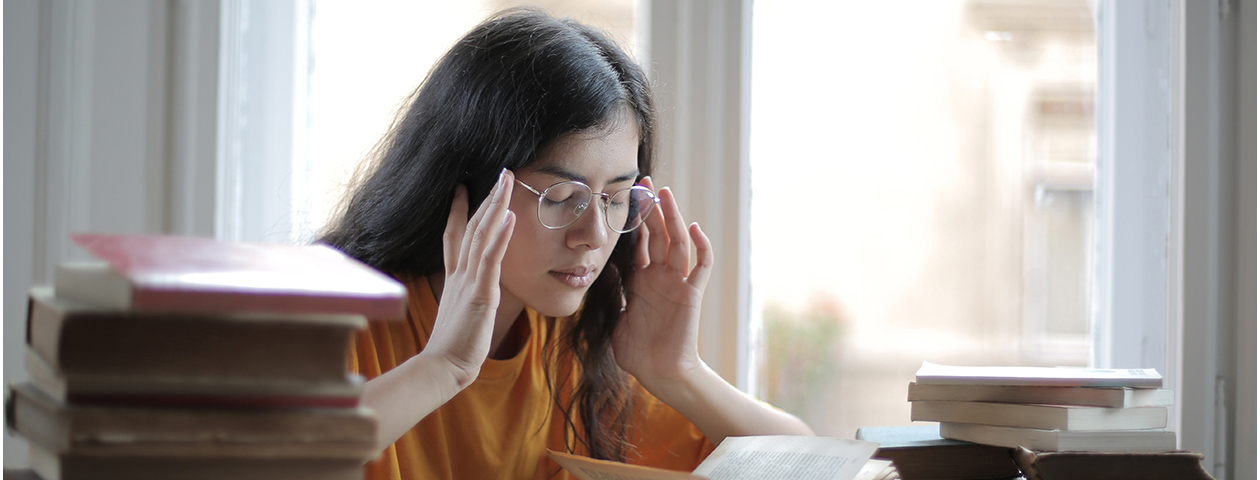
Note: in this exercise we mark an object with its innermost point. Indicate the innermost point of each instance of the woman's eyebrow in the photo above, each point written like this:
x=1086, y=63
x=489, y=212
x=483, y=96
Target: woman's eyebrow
x=566, y=174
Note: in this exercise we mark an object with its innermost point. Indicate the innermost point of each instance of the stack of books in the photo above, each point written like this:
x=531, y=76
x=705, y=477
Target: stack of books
x=1045, y=408
x=920, y=453
x=180, y=357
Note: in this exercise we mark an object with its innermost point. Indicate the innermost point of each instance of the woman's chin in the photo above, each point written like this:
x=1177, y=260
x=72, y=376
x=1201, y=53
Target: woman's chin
x=559, y=306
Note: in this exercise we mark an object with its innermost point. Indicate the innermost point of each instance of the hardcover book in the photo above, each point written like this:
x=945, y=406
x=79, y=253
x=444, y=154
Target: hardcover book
x=1115, y=397
x=50, y=465
x=1136, y=441
x=308, y=433
x=933, y=374
x=80, y=340
x=161, y=273
x=1110, y=466
x=920, y=453
x=1046, y=417
x=122, y=389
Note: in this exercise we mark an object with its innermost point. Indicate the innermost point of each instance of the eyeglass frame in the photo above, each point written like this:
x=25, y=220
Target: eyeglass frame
x=605, y=199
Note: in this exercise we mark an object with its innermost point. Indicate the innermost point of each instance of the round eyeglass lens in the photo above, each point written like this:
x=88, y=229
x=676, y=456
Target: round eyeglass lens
x=563, y=203
x=628, y=208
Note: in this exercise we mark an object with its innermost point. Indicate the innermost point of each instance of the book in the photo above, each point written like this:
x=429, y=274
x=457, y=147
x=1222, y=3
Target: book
x=348, y=433
x=122, y=389
x=81, y=339
x=20, y=474
x=919, y=452
x=1116, y=397
x=934, y=374
x=164, y=273
x=753, y=457
x=1047, y=417
x=1136, y=441
x=50, y=465
x=1178, y=465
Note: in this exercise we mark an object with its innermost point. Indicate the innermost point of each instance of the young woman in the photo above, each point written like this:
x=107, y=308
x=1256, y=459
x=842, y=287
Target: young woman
x=562, y=313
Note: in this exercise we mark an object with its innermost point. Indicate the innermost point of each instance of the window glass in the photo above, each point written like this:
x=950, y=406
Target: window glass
x=365, y=60
x=922, y=189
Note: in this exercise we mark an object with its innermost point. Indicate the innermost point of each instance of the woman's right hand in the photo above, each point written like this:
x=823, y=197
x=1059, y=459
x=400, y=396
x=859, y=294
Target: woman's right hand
x=473, y=250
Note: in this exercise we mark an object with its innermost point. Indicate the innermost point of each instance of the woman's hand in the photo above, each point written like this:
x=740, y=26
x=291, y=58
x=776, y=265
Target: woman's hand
x=656, y=338
x=474, y=250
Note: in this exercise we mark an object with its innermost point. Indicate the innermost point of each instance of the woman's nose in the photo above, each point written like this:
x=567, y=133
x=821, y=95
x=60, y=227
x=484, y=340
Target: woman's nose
x=590, y=229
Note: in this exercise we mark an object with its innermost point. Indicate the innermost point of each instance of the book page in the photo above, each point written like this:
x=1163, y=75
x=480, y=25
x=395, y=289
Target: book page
x=876, y=469
x=585, y=468
x=784, y=456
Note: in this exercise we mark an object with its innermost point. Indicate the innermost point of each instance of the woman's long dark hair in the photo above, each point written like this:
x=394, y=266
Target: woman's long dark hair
x=508, y=89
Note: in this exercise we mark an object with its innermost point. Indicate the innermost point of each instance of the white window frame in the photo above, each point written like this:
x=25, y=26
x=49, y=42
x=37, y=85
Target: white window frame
x=697, y=55
x=1212, y=244
x=1131, y=206
x=263, y=99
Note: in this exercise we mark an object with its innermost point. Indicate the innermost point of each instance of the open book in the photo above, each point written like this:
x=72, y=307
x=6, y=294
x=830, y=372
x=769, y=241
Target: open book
x=756, y=457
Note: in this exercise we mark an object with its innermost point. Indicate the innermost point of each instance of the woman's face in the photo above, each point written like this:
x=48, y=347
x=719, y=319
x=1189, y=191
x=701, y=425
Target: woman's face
x=550, y=270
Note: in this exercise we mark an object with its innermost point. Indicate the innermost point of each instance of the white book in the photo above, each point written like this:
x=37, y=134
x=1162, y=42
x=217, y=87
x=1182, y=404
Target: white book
x=1133, y=441
x=934, y=374
x=1049, y=417
x=1116, y=397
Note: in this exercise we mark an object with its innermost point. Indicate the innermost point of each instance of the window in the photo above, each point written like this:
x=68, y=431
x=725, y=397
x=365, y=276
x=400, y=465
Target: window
x=922, y=189
x=347, y=67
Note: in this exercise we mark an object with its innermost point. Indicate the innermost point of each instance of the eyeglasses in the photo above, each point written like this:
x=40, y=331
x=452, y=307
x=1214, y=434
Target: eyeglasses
x=564, y=203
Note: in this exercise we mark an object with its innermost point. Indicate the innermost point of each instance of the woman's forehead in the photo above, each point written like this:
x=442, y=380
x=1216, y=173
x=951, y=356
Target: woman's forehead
x=601, y=156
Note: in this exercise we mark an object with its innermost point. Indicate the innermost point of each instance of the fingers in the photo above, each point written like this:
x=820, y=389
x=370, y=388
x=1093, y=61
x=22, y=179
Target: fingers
x=678, y=255
x=484, y=237
x=699, y=276
x=453, y=236
x=492, y=256
x=641, y=257
x=657, y=237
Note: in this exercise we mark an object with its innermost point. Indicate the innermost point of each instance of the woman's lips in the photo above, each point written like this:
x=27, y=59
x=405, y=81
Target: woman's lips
x=577, y=278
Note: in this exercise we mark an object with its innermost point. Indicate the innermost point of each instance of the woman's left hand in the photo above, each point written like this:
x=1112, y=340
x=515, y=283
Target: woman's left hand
x=656, y=338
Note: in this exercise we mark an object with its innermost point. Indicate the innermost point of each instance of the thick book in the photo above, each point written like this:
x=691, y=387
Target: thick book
x=1046, y=417
x=934, y=374
x=920, y=453
x=50, y=465
x=1179, y=465
x=80, y=339
x=1115, y=397
x=753, y=457
x=122, y=389
x=308, y=433
x=1135, y=441
x=162, y=273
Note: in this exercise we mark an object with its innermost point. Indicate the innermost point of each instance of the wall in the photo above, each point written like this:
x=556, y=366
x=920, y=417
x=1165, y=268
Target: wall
x=108, y=127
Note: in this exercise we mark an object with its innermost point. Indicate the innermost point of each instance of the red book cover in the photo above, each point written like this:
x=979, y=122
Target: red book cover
x=163, y=273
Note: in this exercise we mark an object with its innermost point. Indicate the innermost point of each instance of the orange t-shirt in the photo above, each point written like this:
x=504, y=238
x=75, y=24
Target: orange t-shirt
x=502, y=425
